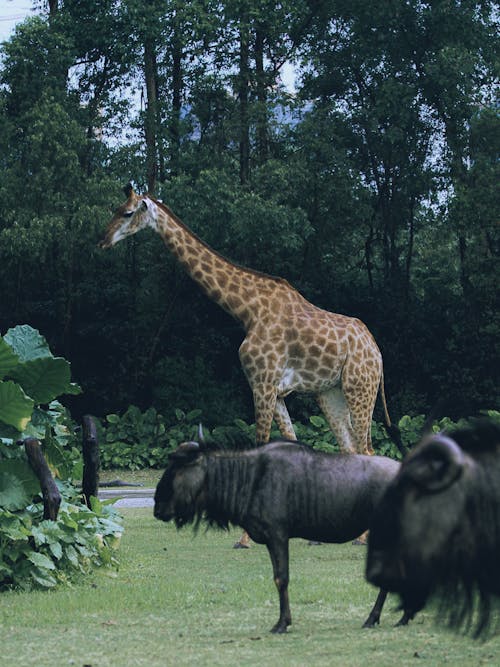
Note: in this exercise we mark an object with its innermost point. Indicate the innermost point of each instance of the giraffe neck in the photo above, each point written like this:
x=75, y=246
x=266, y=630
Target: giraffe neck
x=236, y=289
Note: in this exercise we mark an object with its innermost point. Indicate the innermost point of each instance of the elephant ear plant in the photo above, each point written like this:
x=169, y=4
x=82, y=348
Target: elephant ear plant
x=35, y=551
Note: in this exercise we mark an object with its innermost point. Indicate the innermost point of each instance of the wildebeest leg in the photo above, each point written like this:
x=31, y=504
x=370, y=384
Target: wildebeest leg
x=278, y=552
x=405, y=618
x=374, y=616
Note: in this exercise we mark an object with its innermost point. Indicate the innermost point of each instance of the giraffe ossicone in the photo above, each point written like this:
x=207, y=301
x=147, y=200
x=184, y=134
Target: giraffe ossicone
x=289, y=345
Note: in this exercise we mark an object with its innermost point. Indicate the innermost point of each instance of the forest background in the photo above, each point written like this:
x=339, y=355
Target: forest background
x=371, y=187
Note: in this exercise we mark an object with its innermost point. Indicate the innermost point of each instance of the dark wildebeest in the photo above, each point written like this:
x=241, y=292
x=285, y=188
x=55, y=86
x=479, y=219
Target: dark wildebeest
x=437, y=529
x=275, y=492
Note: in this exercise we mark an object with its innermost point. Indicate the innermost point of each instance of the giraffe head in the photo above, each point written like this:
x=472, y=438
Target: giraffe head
x=137, y=212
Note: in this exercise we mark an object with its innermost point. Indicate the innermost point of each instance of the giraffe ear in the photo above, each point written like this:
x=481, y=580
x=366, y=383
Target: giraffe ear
x=128, y=190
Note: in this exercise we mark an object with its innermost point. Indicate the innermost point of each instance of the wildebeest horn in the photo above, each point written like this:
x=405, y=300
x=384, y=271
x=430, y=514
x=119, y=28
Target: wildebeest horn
x=438, y=462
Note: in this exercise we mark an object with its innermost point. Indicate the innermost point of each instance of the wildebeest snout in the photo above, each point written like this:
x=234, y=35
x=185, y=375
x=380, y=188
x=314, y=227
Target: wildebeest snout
x=161, y=511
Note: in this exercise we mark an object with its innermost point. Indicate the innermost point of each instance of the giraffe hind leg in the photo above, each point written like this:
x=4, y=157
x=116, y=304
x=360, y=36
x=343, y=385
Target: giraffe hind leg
x=282, y=419
x=361, y=406
x=336, y=411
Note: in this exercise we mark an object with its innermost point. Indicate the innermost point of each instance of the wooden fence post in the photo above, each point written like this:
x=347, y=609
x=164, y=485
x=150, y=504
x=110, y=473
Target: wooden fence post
x=91, y=459
x=50, y=492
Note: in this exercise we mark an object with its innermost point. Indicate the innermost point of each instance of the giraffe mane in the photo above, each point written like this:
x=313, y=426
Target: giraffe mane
x=255, y=272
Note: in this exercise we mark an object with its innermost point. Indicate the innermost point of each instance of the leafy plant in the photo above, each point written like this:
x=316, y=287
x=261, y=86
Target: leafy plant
x=31, y=379
x=34, y=551
x=140, y=440
x=144, y=439
x=41, y=553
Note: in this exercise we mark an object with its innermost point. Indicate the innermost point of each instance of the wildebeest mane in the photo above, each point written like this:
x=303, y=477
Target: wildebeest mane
x=231, y=479
x=228, y=439
x=479, y=435
x=471, y=569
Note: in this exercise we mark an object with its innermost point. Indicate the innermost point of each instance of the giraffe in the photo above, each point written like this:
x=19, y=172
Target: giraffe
x=289, y=345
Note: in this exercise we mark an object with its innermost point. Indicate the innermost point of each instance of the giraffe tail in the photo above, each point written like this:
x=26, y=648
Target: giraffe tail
x=392, y=429
x=383, y=399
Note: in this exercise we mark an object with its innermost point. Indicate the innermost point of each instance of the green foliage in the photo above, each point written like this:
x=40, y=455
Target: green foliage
x=184, y=382
x=372, y=189
x=38, y=553
x=31, y=377
x=143, y=439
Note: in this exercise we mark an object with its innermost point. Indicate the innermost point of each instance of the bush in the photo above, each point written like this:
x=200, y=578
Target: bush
x=140, y=440
x=40, y=553
x=34, y=551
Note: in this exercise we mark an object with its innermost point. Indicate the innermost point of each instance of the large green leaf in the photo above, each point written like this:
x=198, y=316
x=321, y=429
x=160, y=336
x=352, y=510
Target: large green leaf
x=18, y=484
x=41, y=560
x=15, y=406
x=8, y=358
x=44, y=378
x=27, y=343
x=13, y=495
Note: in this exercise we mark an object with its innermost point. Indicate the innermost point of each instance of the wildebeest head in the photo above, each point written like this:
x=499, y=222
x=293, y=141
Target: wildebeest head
x=180, y=491
x=415, y=530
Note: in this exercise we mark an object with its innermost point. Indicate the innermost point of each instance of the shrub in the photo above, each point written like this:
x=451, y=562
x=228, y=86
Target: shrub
x=139, y=440
x=143, y=439
x=34, y=551
x=41, y=553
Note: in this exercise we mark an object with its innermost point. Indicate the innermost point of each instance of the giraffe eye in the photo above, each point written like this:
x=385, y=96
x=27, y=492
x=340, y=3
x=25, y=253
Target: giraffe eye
x=128, y=214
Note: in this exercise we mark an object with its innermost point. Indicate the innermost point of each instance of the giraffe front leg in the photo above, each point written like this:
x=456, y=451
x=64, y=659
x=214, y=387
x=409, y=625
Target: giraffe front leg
x=264, y=396
x=264, y=399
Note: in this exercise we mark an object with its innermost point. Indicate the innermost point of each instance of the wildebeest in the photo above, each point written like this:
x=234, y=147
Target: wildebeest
x=276, y=492
x=437, y=529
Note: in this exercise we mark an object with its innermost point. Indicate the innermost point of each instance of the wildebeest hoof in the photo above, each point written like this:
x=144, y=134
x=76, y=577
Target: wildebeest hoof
x=371, y=622
x=359, y=543
x=279, y=629
x=405, y=619
x=240, y=545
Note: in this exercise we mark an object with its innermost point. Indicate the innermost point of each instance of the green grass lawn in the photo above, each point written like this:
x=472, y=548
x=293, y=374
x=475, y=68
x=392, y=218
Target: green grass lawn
x=180, y=599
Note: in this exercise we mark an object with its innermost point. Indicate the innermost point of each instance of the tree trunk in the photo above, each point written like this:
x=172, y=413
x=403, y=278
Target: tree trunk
x=53, y=8
x=50, y=492
x=177, y=84
x=243, y=86
x=150, y=73
x=262, y=125
x=91, y=459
